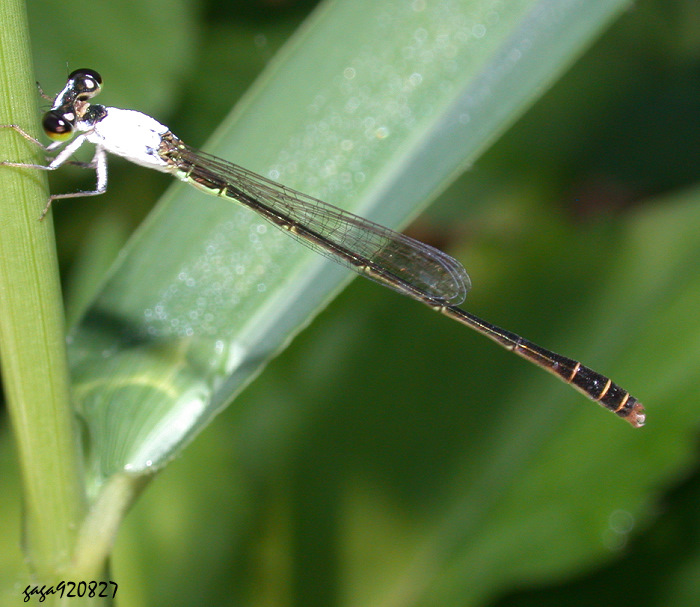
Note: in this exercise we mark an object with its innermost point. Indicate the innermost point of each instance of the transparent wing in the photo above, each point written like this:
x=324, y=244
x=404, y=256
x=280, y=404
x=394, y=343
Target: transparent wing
x=400, y=262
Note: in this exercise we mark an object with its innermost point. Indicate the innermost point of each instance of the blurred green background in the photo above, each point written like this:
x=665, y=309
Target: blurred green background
x=390, y=457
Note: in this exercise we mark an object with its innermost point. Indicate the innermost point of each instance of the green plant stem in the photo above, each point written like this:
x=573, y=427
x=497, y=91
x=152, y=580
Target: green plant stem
x=99, y=529
x=32, y=333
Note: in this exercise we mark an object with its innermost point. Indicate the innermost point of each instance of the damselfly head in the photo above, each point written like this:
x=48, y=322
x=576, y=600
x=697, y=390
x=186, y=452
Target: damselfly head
x=71, y=104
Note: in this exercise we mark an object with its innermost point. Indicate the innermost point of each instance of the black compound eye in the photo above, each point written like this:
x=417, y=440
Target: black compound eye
x=57, y=126
x=86, y=82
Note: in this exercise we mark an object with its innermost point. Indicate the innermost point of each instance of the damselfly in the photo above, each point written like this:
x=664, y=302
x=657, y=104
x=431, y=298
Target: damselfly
x=406, y=265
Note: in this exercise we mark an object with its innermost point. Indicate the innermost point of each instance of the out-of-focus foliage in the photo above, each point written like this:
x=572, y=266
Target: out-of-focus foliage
x=389, y=457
